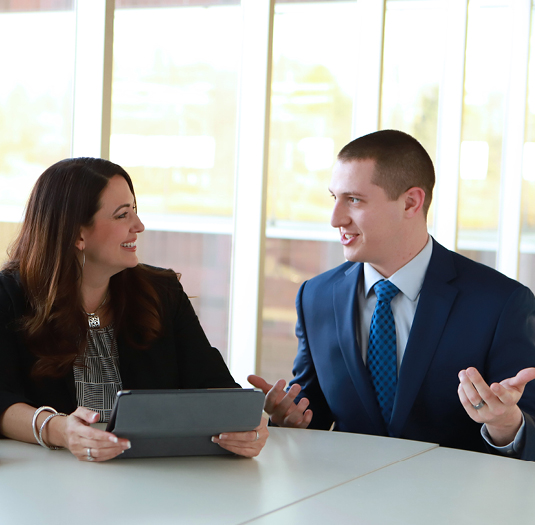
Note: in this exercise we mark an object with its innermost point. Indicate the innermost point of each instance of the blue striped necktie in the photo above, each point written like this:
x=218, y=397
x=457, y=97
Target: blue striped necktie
x=382, y=354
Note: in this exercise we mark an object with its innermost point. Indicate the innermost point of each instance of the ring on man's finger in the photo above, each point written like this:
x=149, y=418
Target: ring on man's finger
x=89, y=457
x=480, y=405
x=257, y=436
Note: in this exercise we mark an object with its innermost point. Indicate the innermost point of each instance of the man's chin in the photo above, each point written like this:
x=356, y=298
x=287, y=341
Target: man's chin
x=352, y=255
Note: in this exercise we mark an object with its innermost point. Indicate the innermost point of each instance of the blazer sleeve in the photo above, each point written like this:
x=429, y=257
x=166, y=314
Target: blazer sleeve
x=12, y=367
x=304, y=372
x=513, y=349
x=201, y=365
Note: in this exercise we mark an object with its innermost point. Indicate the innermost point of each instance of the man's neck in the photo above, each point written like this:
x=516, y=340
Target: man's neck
x=408, y=252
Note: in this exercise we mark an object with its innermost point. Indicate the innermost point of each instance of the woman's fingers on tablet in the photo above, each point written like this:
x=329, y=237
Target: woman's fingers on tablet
x=97, y=453
x=91, y=444
x=99, y=449
x=247, y=444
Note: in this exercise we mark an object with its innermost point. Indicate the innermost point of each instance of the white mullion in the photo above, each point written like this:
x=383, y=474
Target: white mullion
x=247, y=267
x=513, y=141
x=92, y=78
x=450, y=110
x=369, y=28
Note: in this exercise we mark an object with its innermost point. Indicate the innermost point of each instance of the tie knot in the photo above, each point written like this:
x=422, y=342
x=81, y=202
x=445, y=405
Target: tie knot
x=385, y=291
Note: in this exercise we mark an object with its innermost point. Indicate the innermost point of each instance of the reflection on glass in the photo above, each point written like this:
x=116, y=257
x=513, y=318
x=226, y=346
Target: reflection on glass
x=37, y=65
x=486, y=76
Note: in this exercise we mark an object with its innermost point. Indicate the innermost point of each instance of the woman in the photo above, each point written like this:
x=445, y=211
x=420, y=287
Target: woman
x=81, y=319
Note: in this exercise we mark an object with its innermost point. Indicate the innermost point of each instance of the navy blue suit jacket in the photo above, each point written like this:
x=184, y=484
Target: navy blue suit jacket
x=468, y=315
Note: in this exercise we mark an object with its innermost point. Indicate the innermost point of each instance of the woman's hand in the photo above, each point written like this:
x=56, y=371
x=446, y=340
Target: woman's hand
x=85, y=442
x=248, y=444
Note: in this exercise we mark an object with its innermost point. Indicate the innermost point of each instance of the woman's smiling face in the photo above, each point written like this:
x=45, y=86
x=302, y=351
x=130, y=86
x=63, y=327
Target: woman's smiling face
x=109, y=244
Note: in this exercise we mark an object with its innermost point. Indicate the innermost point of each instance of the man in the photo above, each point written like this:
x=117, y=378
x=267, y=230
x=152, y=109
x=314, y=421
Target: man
x=405, y=338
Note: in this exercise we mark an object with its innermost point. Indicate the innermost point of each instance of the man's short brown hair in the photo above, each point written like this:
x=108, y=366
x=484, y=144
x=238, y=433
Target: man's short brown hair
x=401, y=162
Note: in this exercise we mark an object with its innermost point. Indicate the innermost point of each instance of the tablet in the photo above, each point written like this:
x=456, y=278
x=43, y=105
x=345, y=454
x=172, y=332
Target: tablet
x=182, y=422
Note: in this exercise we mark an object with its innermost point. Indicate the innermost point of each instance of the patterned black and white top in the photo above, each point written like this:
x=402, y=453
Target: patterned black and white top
x=99, y=380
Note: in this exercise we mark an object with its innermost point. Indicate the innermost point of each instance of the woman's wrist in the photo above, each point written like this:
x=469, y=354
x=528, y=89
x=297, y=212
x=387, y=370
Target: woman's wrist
x=53, y=433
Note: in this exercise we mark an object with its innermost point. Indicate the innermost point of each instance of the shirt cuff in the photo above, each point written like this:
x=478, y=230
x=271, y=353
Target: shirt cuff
x=512, y=449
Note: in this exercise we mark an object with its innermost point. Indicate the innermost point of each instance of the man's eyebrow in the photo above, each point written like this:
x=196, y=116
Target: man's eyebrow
x=352, y=193
x=121, y=206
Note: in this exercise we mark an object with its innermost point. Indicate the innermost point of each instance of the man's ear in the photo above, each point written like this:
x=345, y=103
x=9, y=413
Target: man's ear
x=414, y=201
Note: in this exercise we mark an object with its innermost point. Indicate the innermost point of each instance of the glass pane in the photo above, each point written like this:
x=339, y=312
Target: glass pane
x=174, y=107
x=37, y=64
x=311, y=105
x=289, y=262
x=486, y=77
x=527, y=237
x=313, y=86
x=204, y=262
x=411, y=71
x=173, y=129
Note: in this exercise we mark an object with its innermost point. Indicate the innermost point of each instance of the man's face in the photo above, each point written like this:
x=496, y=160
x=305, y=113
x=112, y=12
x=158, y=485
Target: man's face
x=371, y=225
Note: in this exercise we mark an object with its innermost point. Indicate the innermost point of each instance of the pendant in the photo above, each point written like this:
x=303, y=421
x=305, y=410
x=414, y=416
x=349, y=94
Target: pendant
x=94, y=321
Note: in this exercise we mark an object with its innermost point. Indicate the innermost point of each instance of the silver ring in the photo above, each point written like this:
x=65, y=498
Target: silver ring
x=480, y=405
x=257, y=436
x=89, y=456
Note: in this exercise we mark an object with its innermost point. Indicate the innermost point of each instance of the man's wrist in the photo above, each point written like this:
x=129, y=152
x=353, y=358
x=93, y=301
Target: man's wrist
x=503, y=435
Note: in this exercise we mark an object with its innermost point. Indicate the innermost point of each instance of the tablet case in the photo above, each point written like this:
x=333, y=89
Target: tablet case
x=182, y=422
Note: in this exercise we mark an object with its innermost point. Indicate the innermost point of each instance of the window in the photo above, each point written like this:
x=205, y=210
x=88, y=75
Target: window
x=313, y=86
x=527, y=238
x=438, y=69
x=37, y=64
x=487, y=60
x=174, y=131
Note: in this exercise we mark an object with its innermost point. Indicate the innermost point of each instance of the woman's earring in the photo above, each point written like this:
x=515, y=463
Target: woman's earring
x=83, y=259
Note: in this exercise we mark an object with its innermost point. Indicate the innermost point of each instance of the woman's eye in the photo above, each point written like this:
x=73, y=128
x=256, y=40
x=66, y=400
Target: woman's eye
x=123, y=215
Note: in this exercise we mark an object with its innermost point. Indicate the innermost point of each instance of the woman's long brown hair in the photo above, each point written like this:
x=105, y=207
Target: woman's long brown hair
x=65, y=198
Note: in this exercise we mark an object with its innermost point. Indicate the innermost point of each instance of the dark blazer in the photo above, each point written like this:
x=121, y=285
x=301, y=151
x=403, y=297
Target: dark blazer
x=468, y=315
x=181, y=358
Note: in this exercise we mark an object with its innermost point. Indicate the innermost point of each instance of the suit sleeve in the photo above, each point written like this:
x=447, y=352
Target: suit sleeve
x=513, y=349
x=304, y=371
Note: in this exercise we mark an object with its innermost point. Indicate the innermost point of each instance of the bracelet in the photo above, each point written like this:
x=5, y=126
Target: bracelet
x=41, y=440
x=34, y=420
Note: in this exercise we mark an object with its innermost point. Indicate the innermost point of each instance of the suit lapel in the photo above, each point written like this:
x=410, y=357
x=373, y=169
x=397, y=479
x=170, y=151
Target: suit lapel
x=345, y=299
x=436, y=300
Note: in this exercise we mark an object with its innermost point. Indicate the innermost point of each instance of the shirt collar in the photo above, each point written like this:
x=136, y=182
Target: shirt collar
x=409, y=278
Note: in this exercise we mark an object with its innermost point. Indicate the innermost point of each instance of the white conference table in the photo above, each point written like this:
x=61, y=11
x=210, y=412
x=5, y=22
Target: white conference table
x=301, y=476
x=442, y=486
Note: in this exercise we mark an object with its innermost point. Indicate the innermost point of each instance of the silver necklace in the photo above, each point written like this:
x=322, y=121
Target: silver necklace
x=93, y=318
